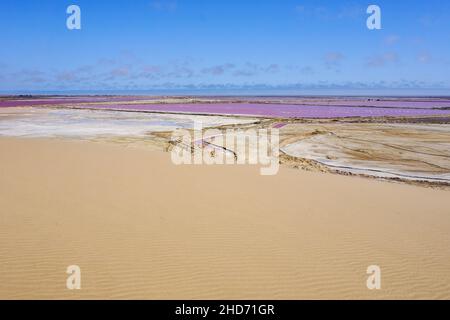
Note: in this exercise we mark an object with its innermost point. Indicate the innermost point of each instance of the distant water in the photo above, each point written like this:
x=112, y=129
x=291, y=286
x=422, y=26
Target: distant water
x=278, y=110
x=247, y=91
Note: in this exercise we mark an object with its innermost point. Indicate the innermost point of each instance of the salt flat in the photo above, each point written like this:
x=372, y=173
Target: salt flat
x=393, y=150
x=76, y=123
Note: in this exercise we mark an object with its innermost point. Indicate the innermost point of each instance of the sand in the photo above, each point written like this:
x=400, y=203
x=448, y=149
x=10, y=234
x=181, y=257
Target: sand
x=407, y=151
x=140, y=227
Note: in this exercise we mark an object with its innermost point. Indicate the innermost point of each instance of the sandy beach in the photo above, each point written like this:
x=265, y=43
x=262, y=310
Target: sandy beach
x=140, y=227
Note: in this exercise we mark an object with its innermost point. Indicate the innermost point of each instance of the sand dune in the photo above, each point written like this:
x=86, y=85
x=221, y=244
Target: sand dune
x=141, y=227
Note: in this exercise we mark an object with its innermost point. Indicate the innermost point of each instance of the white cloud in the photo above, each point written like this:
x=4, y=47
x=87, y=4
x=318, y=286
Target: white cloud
x=391, y=39
x=382, y=59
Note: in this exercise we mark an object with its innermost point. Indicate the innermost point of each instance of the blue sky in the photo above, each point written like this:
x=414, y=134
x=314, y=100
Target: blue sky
x=259, y=45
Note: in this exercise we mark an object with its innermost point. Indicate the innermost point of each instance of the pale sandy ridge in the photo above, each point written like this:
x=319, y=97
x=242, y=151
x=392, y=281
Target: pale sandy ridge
x=141, y=227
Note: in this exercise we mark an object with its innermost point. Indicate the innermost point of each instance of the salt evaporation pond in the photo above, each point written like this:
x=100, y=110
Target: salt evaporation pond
x=422, y=103
x=276, y=110
x=302, y=108
x=427, y=104
x=64, y=101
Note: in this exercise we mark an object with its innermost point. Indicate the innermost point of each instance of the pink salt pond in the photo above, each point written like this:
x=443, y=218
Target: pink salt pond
x=277, y=110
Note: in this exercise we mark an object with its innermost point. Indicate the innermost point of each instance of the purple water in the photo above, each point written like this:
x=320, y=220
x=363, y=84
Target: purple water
x=277, y=110
x=279, y=125
x=387, y=103
x=64, y=101
x=310, y=108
